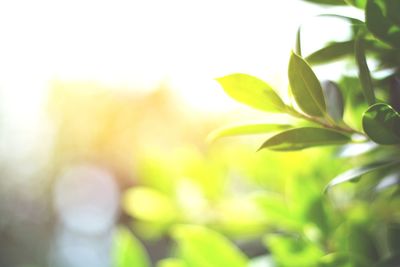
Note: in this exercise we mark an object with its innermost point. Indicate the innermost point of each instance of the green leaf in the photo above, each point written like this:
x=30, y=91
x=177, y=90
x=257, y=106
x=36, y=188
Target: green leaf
x=300, y=138
x=328, y=2
x=362, y=246
x=363, y=70
x=275, y=210
x=380, y=24
x=202, y=247
x=293, y=251
x=357, y=3
x=252, y=91
x=393, y=236
x=392, y=261
x=305, y=87
x=171, y=262
x=242, y=129
x=354, y=174
x=298, y=41
x=331, y=52
x=128, y=251
x=382, y=124
x=334, y=100
x=393, y=11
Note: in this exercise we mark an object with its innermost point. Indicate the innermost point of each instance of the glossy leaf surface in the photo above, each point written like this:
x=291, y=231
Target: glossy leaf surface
x=306, y=137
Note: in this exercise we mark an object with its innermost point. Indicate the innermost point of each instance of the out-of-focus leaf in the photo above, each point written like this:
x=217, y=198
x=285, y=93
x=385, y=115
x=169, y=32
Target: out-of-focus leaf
x=274, y=209
x=242, y=129
x=357, y=3
x=334, y=260
x=300, y=138
x=149, y=204
x=331, y=52
x=293, y=251
x=393, y=236
x=171, y=262
x=262, y=261
x=379, y=24
x=363, y=72
x=393, y=11
x=128, y=251
x=334, y=100
x=382, y=124
x=355, y=173
x=328, y=2
x=252, y=91
x=392, y=261
x=305, y=87
x=202, y=247
x=362, y=246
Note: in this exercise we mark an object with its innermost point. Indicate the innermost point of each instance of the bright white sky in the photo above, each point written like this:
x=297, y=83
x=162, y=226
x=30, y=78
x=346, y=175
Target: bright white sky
x=183, y=43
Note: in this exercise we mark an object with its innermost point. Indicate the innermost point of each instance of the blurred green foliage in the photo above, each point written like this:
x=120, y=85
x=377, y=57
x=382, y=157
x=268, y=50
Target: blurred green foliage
x=291, y=201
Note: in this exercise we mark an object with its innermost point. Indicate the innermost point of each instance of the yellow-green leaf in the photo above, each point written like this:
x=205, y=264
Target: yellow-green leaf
x=252, y=91
x=243, y=129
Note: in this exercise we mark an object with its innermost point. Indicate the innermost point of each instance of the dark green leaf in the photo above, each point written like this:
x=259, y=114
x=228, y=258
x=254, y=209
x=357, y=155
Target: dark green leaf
x=356, y=173
x=392, y=261
x=362, y=246
x=382, y=124
x=252, y=91
x=393, y=11
x=363, y=70
x=334, y=100
x=305, y=87
x=394, y=237
x=203, y=247
x=331, y=52
x=257, y=128
x=380, y=24
x=128, y=251
x=300, y=138
x=328, y=2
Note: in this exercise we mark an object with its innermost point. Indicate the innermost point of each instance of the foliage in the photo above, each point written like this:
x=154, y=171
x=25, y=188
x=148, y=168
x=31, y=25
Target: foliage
x=351, y=224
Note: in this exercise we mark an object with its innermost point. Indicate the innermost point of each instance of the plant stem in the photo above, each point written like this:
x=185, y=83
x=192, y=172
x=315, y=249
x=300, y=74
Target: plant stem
x=331, y=125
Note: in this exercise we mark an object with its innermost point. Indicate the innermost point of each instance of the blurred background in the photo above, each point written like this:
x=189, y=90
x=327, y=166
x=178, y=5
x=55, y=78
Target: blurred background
x=105, y=107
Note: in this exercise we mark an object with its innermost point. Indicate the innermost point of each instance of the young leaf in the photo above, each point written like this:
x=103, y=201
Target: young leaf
x=200, y=246
x=305, y=87
x=364, y=74
x=242, y=129
x=128, y=251
x=298, y=42
x=252, y=91
x=382, y=124
x=334, y=100
x=332, y=52
x=356, y=173
x=300, y=138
